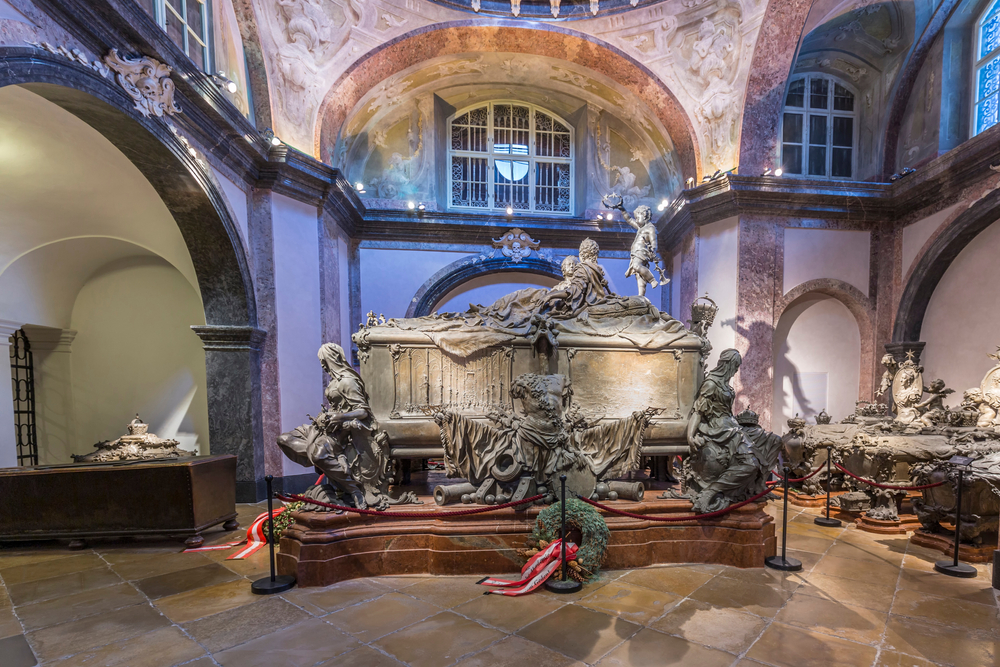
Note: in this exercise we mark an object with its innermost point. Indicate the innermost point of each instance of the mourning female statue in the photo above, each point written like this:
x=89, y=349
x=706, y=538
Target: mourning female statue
x=728, y=462
x=343, y=442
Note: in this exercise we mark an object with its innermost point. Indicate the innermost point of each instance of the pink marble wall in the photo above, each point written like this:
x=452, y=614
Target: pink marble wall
x=550, y=41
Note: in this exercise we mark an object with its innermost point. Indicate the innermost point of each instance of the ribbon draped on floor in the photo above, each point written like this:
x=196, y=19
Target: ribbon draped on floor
x=539, y=568
x=256, y=538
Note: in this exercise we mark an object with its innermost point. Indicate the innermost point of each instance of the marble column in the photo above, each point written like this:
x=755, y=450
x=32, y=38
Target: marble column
x=233, y=372
x=758, y=239
x=329, y=279
x=50, y=352
x=8, y=438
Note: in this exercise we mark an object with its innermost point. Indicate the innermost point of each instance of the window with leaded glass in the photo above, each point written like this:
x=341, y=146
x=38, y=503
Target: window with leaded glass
x=818, y=129
x=987, y=67
x=511, y=155
x=186, y=23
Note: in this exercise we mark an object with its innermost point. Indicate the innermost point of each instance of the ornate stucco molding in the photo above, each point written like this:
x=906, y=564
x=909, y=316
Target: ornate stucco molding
x=147, y=81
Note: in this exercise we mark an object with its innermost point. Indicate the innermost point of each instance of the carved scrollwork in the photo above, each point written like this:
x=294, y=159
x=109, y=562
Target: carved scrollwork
x=146, y=81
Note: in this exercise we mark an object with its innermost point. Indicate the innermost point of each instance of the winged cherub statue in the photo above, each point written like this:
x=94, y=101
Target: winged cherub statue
x=643, y=252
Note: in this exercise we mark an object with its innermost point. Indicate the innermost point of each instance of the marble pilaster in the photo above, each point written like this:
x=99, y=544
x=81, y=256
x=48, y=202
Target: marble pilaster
x=235, y=424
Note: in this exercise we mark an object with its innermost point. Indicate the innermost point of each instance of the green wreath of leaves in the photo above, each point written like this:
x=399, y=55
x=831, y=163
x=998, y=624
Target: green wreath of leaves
x=593, y=530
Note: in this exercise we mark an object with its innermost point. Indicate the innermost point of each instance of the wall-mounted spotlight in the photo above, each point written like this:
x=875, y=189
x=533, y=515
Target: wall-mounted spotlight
x=224, y=82
x=609, y=217
x=663, y=204
x=421, y=207
x=510, y=211
x=411, y=205
x=268, y=134
x=773, y=172
x=689, y=183
x=360, y=187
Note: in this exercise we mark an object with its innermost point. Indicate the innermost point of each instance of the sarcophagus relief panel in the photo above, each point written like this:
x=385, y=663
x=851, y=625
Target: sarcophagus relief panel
x=426, y=379
x=609, y=382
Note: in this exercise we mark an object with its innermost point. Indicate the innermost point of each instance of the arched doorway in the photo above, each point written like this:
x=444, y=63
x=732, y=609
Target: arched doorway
x=193, y=232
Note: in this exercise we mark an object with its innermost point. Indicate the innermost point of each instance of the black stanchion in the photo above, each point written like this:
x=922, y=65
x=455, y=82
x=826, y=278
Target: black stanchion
x=272, y=584
x=782, y=562
x=953, y=568
x=565, y=584
x=827, y=521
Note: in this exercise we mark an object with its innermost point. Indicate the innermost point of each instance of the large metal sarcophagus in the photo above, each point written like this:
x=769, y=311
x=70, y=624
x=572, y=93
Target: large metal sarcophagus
x=409, y=378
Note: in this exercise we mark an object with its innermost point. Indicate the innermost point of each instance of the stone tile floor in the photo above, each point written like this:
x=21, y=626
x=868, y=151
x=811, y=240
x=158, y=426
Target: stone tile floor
x=861, y=600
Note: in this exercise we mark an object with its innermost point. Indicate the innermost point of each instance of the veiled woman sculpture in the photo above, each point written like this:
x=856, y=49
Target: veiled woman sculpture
x=343, y=442
x=726, y=465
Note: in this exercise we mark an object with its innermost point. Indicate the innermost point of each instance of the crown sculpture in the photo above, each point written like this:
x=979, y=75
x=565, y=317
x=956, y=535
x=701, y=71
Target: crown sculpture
x=138, y=445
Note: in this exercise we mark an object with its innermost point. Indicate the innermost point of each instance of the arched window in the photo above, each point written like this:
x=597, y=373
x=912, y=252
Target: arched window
x=507, y=154
x=818, y=132
x=987, y=67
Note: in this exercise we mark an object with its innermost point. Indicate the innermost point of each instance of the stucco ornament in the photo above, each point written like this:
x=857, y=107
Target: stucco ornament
x=516, y=244
x=147, y=82
x=76, y=55
x=907, y=389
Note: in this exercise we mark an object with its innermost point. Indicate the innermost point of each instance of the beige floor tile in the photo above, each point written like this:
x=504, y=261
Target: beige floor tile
x=816, y=544
x=143, y=566
x=376, y=618
x=67, y=584
x=321, y=601
x=725, y=629
x=650, y=648
x=672, y=579
x=753, y=598
x=438, y=641
x=82, y=635
x=398, y=583
x=71, y=607
x=978, y=589
x=236, y=626
x=518, y=652
x=947, y=611
x=872, y=572
x=894, y=659
x=47, y=569
x=363, y=657
x=594, y=634
x=745, y=662
x=159, y=648
x=920, y=562
x=807, y=558
x=508, y=613
x=446, y=592
x=9, y=625
x=940, y=644
x=869, y=596
x=764, y=576
x=865, y=551
x=182, y=581
x=589, y=588
x=630, y=602
x=16, y=556
x=834, y=618
x=304, y=644
x=787, y=646
x=201, y=602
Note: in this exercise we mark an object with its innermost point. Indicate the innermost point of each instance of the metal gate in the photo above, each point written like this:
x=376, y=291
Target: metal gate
x=22, y=376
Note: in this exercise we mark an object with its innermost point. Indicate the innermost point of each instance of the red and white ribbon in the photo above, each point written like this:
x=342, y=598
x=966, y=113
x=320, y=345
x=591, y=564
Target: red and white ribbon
x=256, y=538
x=538, y=568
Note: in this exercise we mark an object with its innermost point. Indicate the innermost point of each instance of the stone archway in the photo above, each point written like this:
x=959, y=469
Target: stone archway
x=463, y=270
x=185, y=185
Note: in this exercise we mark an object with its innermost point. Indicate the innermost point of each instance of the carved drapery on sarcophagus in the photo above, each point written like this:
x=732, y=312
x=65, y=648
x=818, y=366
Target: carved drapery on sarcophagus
x=426, y=379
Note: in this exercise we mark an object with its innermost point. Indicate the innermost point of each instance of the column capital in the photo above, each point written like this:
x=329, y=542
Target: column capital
x=230, y=338
x=7, y=329
x=49, y=339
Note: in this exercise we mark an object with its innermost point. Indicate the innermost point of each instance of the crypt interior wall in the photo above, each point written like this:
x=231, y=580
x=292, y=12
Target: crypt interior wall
x=960, y=325
x=817, y=360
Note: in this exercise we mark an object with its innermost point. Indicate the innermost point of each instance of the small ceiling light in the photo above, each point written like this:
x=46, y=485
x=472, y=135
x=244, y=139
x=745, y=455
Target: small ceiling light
x=410, y=205
x=609, y=217
x=421, y=207
x=510, y=211
x=779, y=171
x=690, y=182
x=360, y=186
x=224, y=82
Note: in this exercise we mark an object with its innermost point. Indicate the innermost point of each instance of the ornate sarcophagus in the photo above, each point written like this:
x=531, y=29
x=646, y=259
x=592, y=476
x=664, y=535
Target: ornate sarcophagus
x=409, y=378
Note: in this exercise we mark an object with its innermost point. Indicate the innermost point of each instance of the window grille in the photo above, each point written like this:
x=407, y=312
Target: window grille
x=987, y=68
x=818, y=130
x=22, y=375
x=186, y=23
x=507, y=154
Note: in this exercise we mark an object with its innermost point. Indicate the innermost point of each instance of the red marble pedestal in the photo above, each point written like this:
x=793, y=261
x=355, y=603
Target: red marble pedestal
x=322, y=549
x=804, y=500
x=945, y=543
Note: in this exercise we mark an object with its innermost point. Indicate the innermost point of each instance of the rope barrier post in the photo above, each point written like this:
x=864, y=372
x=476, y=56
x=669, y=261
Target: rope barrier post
x=273, y=584
x=827, y=521
x=953, y=568
x=782, y=562
x=564, y=585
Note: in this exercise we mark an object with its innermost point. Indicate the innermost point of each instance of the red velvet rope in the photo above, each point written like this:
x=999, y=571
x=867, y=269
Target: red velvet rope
x=887, y=486
x=799, y=479
x=770, y=487
x=409, y=515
